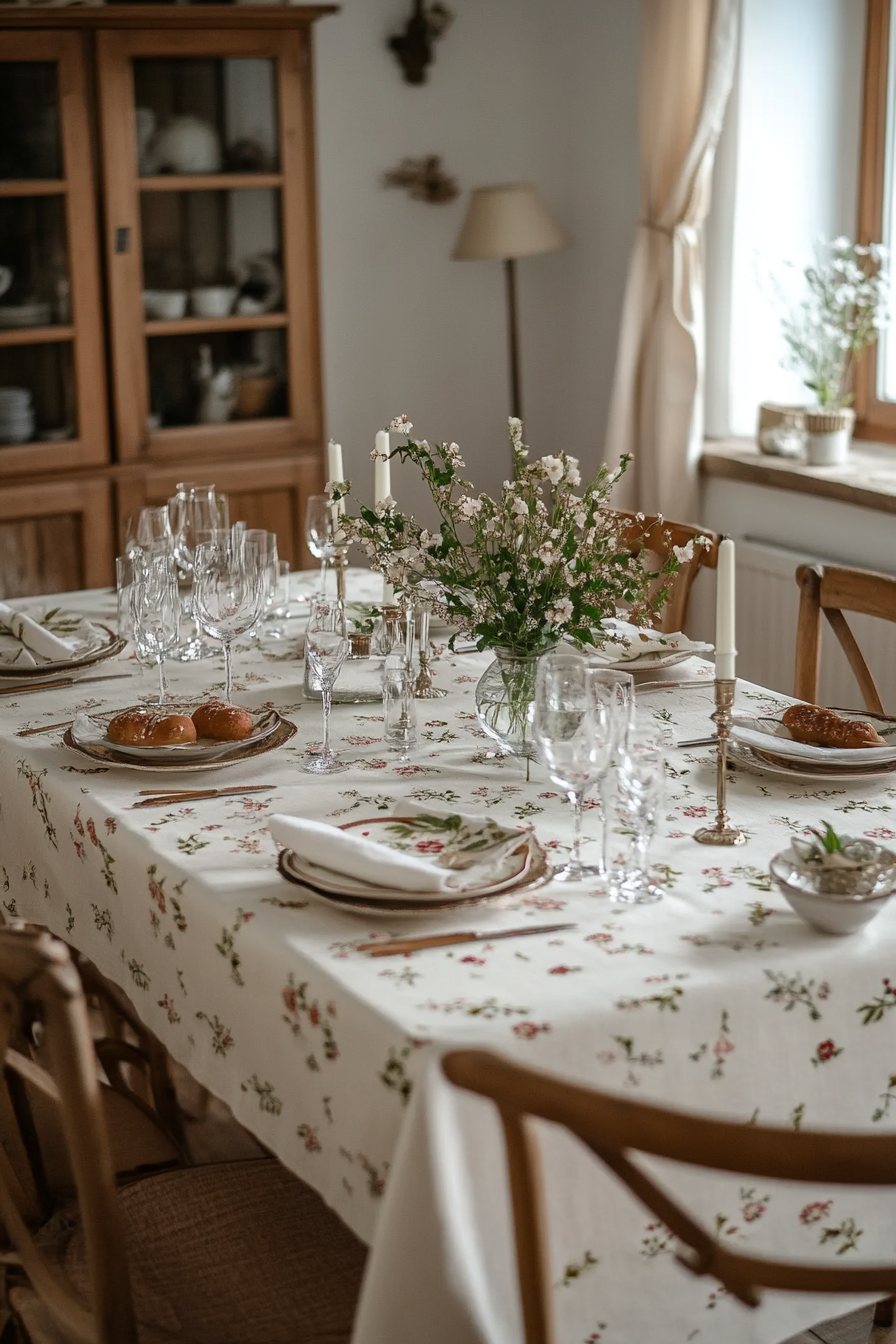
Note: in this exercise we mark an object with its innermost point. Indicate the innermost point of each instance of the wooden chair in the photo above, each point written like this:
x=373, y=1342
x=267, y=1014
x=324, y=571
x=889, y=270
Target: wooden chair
x=658, y=536
x=613, y=1126
x=829, y=590
x=229, y=1253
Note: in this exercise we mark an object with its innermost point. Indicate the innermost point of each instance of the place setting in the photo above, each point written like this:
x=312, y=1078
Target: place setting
x=44, y=644
x=422, y=864
x=233, y=576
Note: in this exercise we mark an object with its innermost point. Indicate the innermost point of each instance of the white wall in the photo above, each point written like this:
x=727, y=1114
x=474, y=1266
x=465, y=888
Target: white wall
x=531, y=90
x=786, y=172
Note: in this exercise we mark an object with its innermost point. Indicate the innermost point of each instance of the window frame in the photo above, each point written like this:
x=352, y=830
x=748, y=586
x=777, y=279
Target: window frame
x=875, y=419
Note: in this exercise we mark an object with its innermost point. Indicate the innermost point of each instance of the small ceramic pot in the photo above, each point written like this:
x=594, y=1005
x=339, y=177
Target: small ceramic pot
x=837, y=899
x=212, y=300
x=165, y=305
x=828, y=436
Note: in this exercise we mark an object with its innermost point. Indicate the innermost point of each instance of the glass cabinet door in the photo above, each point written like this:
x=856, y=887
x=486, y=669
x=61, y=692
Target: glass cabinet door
x=211, y=213
x=50, y=333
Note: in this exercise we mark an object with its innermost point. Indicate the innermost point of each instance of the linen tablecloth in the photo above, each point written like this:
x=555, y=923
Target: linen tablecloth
x=718, y=999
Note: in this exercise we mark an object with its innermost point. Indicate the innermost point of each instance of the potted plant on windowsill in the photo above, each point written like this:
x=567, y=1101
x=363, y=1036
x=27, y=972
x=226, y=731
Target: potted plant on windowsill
x=846, y=306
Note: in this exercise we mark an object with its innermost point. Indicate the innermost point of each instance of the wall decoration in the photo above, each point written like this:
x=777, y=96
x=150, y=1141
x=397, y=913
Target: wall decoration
x=414, y=47
x=423, y=180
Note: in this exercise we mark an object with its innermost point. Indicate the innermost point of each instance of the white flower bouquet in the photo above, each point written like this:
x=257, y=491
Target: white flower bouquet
x=846, y=306
x=545, y=561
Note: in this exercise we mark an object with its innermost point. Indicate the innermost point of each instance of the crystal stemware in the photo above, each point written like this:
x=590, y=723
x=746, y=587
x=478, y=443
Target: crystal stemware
x=228, y=592
x=326, y=649
x=197, y=515
x=573, y=725
x=640, y=778
x=319, y=534
x=399, y=711
x=154, y=609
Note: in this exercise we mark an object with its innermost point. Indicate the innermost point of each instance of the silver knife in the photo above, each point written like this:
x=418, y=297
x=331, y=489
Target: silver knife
x=59, y=684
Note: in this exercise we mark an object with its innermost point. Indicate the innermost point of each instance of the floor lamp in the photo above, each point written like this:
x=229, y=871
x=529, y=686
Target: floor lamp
x=505, y=223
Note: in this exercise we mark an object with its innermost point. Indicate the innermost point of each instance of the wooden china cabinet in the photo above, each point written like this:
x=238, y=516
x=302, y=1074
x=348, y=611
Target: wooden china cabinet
x=158, y=275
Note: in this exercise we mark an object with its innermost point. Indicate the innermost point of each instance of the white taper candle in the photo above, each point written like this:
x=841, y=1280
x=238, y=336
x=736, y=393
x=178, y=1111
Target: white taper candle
x=726, y=650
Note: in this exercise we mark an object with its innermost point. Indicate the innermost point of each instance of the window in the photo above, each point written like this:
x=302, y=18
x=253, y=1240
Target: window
x=876, y=378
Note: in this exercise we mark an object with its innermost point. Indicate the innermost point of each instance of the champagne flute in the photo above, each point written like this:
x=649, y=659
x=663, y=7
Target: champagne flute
x=228, y=593
x=320, y=535
x=155, y=608
x=574, y=732
x=326, y=649
x=196, y=515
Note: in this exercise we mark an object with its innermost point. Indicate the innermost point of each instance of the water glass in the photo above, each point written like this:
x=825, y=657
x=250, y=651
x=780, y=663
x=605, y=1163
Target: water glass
x=326, y=649
x=320, y=535
x=574, y=731
x=155, y=609
x=399, y=711
x=228, y=593
x=640, y=778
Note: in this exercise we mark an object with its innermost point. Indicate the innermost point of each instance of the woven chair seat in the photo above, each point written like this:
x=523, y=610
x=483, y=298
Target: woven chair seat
x=231, y=1253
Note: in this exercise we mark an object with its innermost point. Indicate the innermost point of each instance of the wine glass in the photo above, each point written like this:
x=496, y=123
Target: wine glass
x=154, y=609
x=574, y=731
x=319, y=534
x=640, y=778
x=270, y=562
x=197, y=513
x=228, y=592
x=326, y=649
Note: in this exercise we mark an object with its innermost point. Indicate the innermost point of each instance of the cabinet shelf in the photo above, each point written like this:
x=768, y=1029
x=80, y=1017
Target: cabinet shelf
x=196, y=326
x=35, y=335
x=209, y=181
x=33, y=186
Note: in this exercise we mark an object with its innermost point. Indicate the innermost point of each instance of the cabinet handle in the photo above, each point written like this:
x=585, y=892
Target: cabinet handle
x=122, y=240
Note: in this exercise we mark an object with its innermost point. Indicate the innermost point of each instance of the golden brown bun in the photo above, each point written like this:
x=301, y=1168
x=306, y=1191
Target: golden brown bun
x=168, y=730
x=825, y=728
x=130, y=728
x=227, y=723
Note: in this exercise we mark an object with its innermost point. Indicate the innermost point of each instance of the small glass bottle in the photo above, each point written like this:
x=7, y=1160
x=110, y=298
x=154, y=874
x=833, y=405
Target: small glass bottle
x=387, y=633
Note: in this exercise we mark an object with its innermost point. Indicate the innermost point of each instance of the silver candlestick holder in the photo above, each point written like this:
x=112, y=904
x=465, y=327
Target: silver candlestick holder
x=423, y=686
x=722, y=833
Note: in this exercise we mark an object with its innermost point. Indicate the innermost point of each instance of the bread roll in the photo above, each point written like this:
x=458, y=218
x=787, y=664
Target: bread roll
x=226, y=723
x=825, y=728
x=130, y=728
x=169, y=730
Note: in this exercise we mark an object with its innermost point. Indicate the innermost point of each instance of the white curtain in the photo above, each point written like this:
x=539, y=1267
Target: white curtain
x=689, y=50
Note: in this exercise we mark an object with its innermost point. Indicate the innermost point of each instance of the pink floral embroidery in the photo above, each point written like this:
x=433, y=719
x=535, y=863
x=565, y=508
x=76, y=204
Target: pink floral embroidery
x=813, y=1213
x=429, y=846
x=527, y=1031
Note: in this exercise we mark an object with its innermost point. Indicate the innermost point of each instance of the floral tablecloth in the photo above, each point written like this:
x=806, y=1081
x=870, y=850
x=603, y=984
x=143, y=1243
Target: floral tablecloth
x=718, y=998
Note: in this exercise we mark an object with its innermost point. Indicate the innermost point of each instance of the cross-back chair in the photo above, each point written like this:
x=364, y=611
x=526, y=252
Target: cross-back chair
x=657, y=536
x=829, y=590
x=227, y=1253
x=614, y=1127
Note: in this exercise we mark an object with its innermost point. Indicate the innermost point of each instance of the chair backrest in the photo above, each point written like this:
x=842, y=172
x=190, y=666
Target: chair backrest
x=613, y=1126
x=39, y=985
x=658, y=536
x=829, y=590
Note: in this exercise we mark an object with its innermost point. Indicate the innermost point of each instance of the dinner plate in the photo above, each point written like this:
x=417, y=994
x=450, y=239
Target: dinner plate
x=649, y=662
x=88, y=729
x=110, y=647
x=340, y=884
x=539, y=872
x=758, y=760
x=106, y=753
x=769, y=736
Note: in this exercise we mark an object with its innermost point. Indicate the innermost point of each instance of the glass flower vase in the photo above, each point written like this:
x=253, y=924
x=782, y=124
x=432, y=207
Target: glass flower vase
x=504, y=693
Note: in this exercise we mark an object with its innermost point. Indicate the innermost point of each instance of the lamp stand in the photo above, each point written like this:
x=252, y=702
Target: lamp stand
x=516, y=401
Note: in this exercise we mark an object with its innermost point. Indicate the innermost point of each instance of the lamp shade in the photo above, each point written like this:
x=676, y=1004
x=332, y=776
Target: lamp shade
x=507, y=221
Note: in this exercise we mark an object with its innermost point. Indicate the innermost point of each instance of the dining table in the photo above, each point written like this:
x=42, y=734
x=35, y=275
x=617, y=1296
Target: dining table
x=717, y=999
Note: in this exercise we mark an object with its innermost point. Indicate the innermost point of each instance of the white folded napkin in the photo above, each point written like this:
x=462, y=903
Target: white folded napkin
x=36, y=638
x=623, y=642
x=349, y=853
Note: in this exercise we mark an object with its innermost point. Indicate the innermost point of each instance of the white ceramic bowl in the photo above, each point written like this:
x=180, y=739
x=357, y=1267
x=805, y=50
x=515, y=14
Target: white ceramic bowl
x=213, y=300
x=165, y=305
x=837, y=914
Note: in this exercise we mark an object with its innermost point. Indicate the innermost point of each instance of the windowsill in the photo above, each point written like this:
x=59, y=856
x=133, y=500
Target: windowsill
x=868, y=478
